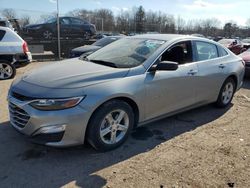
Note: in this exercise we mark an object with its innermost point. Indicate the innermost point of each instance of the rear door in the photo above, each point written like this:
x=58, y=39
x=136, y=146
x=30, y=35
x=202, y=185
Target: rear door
x=169, y=91
x=77, y=27
x=212, y=65
x=65, y=24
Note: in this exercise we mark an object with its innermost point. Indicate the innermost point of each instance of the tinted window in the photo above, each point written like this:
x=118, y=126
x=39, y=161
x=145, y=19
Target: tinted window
x=180, y=53
x=65, y=21
x=52, y=20
x=3, y=23
x=76, y=21
x=206, y=51
x=2, y=33
x=222, y=51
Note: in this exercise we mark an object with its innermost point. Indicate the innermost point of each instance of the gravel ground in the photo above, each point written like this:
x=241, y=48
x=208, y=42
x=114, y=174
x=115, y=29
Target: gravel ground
x=205, y=147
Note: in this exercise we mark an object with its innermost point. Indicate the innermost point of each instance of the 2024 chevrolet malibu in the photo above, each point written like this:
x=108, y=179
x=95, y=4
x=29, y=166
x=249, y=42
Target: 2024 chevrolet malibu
x=121, y=86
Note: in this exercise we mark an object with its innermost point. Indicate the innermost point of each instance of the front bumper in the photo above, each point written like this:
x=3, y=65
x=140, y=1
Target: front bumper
x=53, y=128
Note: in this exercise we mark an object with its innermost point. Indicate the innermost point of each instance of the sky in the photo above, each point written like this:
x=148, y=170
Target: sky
x=224, y=10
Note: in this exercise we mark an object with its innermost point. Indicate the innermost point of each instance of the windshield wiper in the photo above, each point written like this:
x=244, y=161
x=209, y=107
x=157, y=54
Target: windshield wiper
x=101, y=62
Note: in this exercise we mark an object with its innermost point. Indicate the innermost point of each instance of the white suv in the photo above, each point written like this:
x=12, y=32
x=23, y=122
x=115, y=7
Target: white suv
x=14, y=52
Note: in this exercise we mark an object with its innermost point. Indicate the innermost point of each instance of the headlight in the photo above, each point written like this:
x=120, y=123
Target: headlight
x=56, y=104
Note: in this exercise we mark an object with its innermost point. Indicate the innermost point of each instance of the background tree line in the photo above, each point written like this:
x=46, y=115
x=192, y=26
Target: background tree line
x=139, y=20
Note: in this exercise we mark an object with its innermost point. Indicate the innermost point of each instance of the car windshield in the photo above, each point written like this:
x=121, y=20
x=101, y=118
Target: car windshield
x=126, y=53
x=52, y=20
x=105, y=41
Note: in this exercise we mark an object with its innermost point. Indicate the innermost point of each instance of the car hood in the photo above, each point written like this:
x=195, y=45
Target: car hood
x=73, y=73
x=86, y=48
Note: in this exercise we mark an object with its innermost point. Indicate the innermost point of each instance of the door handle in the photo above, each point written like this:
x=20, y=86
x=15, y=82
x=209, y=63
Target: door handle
x=192, y=72
x=221, y=66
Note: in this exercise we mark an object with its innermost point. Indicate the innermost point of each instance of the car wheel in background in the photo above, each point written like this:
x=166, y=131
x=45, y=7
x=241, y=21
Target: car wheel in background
x=226, y=93
x=110, y=125
x=7, y=70
x=47, y=34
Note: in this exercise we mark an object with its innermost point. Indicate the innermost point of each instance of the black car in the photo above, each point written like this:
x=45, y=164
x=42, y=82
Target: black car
x=88, y=49
x=70, y=27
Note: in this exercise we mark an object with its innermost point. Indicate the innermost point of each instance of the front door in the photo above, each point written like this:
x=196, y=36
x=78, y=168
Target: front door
x=169, y=91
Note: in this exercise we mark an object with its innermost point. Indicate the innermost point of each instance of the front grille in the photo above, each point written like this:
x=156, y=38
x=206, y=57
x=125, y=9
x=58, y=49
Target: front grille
x=18, y=116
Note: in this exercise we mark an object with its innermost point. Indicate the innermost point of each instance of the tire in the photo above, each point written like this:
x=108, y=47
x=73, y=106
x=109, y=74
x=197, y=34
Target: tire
x=7, y=70
x=226, y=93
x=115, y=118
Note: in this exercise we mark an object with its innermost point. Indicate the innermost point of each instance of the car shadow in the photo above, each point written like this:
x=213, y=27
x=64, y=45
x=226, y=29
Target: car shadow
x=246, y=83
x=28, y=165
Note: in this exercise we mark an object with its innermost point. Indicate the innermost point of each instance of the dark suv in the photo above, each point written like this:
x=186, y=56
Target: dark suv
x=70, y=27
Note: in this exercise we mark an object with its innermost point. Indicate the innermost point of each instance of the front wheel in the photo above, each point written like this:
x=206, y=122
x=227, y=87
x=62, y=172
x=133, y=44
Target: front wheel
x=110, y=125
x=7, y=70
x=226, y=93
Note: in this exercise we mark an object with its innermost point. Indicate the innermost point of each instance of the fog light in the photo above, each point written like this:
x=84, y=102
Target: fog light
x=51, y=129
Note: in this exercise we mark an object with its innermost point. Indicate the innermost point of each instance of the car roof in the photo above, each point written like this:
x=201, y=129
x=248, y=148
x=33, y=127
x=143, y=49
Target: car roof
x=166, y=37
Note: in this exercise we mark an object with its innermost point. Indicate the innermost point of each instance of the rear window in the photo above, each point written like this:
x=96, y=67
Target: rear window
x=2, y=33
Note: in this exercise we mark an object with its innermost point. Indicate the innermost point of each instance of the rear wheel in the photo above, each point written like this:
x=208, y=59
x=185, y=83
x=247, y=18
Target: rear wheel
x=7, y=70
x=110, y=125
x=226, y=93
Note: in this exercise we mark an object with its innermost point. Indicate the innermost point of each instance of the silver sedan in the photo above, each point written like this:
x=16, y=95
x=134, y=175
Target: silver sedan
x=102, y=97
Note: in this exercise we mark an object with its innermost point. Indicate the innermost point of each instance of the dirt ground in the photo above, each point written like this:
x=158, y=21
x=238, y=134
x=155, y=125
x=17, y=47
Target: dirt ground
x=205, y=147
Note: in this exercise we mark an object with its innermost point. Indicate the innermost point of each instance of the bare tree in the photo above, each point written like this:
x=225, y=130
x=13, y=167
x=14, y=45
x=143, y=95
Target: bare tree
x=24, y=20
x=248, y=23
x=140, y=20
x=9, y=13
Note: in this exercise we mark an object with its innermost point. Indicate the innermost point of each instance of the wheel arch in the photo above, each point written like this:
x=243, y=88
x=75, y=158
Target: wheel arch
x=234, y=77
x=126, y=99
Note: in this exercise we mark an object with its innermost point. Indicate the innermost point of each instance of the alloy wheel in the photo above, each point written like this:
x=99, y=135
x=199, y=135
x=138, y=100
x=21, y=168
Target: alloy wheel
x=6, y=71
x=227, y=93
x=114, y=126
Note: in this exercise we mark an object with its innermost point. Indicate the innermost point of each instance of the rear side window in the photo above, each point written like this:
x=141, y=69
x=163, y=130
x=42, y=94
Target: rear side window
x=222, y=51
x=206, y=51
x=2, y=33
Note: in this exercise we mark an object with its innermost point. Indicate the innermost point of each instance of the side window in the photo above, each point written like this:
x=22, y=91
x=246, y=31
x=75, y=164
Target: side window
x=180, y=53
x=222, y=51
x=206, y=51
x=65, y=21
x=76, y=21
x=2, y=33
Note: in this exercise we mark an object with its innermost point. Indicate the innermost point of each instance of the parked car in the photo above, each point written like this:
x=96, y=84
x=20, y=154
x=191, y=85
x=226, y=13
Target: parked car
x=130, y=82
x=246, y=43
x=235, y=45
x=69, y=27
x=88, y=49
x=246, y=57
x=14, y=52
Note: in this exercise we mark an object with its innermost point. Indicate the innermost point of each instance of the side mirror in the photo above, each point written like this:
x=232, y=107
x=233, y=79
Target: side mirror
x=165, y=66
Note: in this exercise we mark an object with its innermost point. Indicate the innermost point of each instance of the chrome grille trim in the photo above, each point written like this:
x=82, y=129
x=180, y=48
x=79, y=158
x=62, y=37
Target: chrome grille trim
x=18, y=116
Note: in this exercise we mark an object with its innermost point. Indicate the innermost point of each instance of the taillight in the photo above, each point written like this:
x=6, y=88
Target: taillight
x=25, y=47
